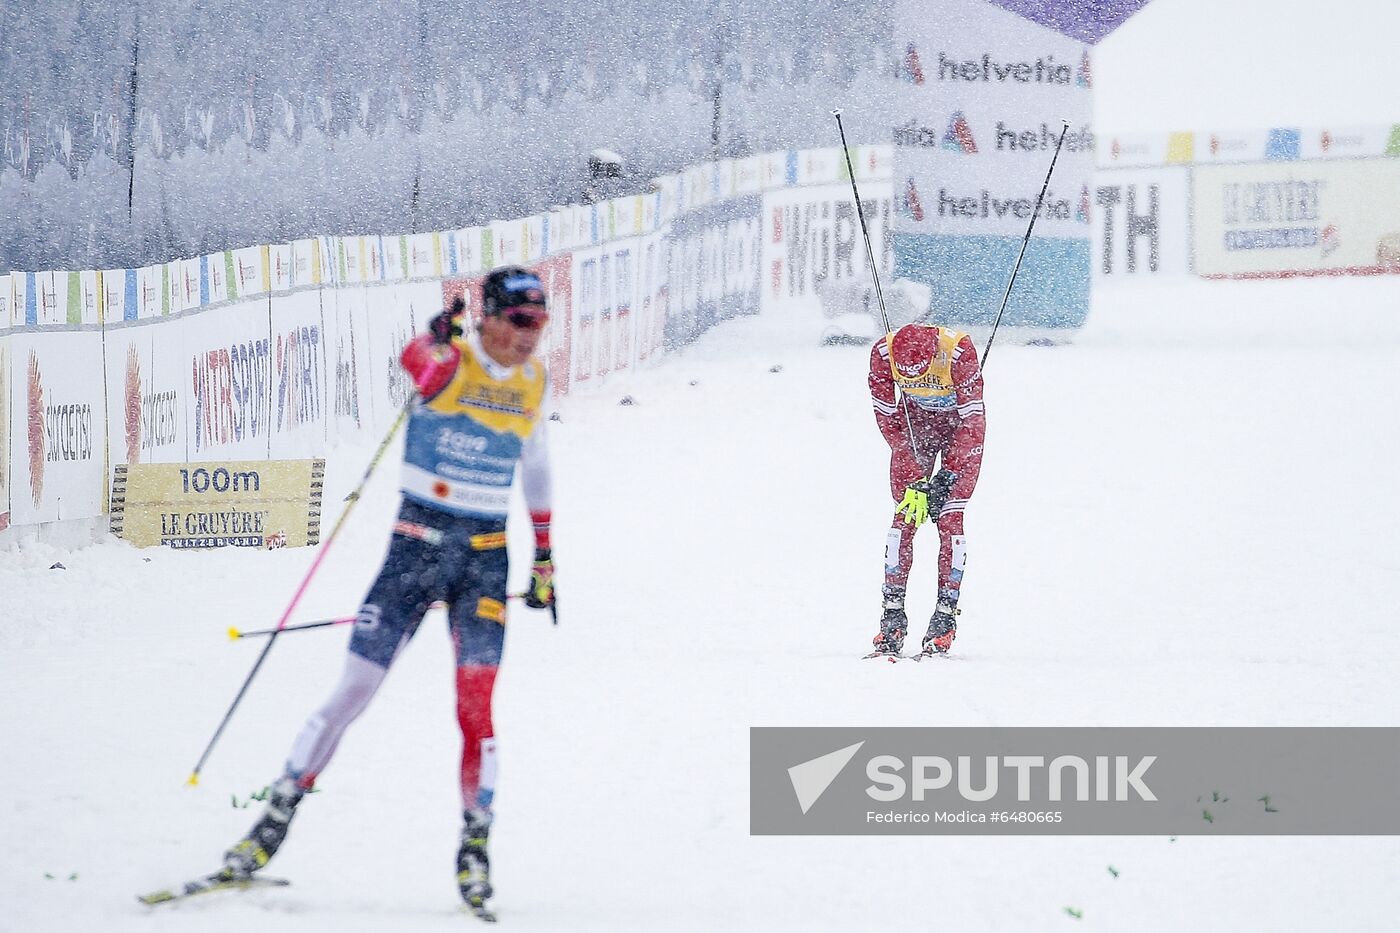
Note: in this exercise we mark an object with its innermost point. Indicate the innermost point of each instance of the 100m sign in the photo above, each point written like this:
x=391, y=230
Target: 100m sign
x=248, y=503
x=220, y=480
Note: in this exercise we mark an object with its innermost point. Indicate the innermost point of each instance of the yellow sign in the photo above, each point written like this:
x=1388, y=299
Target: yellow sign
x=253, y=503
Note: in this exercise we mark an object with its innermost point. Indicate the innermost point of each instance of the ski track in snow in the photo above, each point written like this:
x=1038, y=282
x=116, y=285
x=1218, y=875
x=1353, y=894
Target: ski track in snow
x=1186, y=517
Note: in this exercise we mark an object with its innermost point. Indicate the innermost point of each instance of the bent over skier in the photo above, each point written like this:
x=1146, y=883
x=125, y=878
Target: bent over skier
x=926, y=378
x=478, y=416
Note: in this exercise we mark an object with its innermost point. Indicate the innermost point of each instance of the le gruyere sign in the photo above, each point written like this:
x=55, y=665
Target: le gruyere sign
x=253, y=503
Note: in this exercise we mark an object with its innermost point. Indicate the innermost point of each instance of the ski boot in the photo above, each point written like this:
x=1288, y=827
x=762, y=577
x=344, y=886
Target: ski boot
x=473, y=865
x=893, y=623
x=942, y=629
x=257, y=848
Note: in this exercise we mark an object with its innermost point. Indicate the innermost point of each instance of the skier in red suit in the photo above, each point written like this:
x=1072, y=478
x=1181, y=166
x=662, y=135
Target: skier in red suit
x=927, y=378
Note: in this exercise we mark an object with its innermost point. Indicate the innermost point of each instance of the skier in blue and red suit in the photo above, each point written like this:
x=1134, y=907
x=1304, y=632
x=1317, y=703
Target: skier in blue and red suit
x=477, y=417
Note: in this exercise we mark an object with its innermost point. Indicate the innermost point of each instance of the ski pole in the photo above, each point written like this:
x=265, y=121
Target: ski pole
x=1025, y=241
x=234, y=633
x=875, y=274
x=305, y=581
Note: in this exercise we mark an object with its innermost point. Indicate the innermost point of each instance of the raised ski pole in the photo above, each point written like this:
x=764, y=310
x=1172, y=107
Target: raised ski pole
x=875, y=274
x=305, y=581
x=1025, y=241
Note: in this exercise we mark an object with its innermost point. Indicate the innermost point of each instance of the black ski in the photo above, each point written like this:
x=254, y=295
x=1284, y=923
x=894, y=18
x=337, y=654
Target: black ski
x=222, y=880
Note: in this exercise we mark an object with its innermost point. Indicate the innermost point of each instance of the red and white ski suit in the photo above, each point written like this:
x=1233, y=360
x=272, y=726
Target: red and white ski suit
x=946, y=411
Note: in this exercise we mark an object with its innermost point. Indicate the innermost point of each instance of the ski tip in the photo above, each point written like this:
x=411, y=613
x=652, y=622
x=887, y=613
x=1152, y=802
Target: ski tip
x=234, y=634
x=193, y=780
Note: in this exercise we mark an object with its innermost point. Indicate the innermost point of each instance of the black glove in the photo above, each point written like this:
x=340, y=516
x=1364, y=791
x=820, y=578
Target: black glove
x=446, y=326
x=940, y=485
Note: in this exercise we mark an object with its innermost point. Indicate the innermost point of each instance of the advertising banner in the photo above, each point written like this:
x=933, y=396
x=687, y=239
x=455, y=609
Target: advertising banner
x=217, y=272
x=119, y=295
x=821, y=166
x=4, y=422
x=872, y=163
x=255, y=503
x=250, y=275
x=87, y=302
x=976, y=122
x=1141, y=223
x=280, y=263
x=556, y=272
x=306, y=263
x=193, y=285
x=1297, y=218
x=395, y=314
x=748, y=175
x=812, y=242
x=713, y=268
x=45, y=303
x=225, y=355
x=422, y=257
x=773, y=171
x=7, y=300
x=655, y=296
x=346, y=317
x=58, y=426
x=145, y=396
x=299, y=380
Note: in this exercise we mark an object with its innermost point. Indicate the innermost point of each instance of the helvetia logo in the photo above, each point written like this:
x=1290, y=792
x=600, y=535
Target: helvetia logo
x=1084, y=76
x=910, y=70
x=958, y=136
x=35, y=407
x=910, y=204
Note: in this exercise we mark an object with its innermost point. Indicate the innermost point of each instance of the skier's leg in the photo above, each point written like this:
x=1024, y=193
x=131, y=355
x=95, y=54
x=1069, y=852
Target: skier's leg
x=478, y=616
x=899, y=542
x=952, y=551
x=407, y=584
x=899, y=559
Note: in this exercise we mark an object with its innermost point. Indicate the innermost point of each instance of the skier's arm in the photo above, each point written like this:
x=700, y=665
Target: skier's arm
x=972, y=425
x=430, y=364
x=535, y=478
x=536, y=483
x=882, y=398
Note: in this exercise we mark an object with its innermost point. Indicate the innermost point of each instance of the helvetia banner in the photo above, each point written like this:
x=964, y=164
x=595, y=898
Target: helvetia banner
x=977, y=115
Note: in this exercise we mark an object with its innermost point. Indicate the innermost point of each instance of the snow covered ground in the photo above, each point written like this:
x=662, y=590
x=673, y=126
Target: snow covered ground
x=1186, y=517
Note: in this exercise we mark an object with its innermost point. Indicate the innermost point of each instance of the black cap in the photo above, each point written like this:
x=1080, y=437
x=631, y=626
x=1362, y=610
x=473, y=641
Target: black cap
x=509, y=287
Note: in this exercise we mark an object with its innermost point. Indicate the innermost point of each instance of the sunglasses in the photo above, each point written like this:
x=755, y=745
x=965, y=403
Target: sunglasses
x=525, y=318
